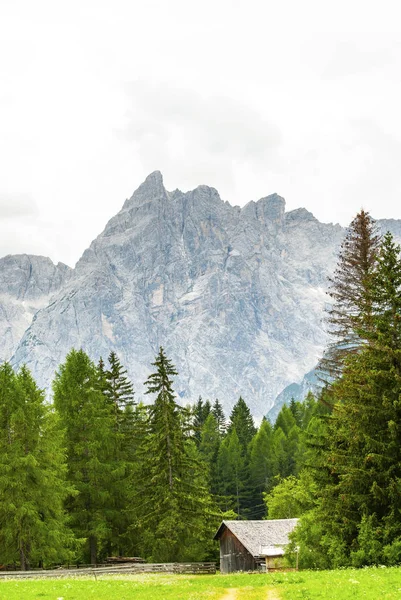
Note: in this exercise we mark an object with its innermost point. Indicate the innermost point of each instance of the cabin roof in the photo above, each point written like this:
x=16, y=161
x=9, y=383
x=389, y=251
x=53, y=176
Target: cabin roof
x=260, y=536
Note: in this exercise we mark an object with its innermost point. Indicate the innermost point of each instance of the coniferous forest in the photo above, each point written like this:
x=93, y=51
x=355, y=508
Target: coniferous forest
x=99, y=472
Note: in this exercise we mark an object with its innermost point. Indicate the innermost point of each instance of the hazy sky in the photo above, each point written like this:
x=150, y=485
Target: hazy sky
x=302, y=98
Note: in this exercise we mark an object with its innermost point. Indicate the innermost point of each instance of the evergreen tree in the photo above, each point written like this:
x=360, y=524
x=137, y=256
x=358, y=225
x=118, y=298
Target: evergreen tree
x=260, y=467
x=359, y=503
x=297, y=412
x=386, y=296
x=119, y=395
x=309, y=409
x=176, y=508
x=209, y=451
x=101, y=376
x=201, y=411
x=285, y=420
x=231, y=465
x=32, y=476
x=118, y=388
x=280, y=459
x=241, y=420
x=350, y=290
x=89, y=426
x=219, y=415
x=286, y=443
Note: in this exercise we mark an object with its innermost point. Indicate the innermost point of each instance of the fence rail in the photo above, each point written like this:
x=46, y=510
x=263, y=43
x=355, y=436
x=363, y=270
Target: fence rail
x=124, y=569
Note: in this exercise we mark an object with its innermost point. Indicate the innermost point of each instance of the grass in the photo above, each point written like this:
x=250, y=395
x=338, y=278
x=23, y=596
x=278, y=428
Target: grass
x=347, y=584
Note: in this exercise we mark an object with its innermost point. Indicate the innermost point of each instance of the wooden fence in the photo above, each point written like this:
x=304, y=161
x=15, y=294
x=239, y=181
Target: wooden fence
x=124, y=569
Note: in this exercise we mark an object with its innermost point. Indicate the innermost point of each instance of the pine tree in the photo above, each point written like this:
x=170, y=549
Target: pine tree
x=32, y=476
x=175, y=506
x=386, y=299
x=209, y=449
x=201, y=411
x=280, y=458
x=231, y=465
x=260, y=467
x=219, y=415
x=241, y=420
x=118, y=392
x=296, y=409
x=286, y=443
x=360, y=494
x=89, y=426
x=285, y=420
x=349, y=316
x=118, y=388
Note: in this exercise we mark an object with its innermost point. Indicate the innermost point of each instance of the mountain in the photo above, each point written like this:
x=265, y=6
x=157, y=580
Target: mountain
x=297, y=391
x=311, y=382
x=235, y=296
x=26, y=285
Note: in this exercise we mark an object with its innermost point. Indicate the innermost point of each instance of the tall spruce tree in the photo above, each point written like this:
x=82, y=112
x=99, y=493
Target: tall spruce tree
x=201, y=411
x=32, y=476
x=261, y=467
x=220, y=417
x=231, y=467
x=118, y=392
x=175, y=506
x=359, y=504
x=89, y=426
x=285, y=420
x=241, y=420
x=209, y=449
x=118, y=388
x=349, y=316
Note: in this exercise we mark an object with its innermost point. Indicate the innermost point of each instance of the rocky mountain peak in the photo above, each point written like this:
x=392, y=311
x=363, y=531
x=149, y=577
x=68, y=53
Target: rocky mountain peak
x=234, y=296
x=27, y=283
x=152, y=189
x=300, y=214
x=273, y=209
x=27, y=277
x=269, y=211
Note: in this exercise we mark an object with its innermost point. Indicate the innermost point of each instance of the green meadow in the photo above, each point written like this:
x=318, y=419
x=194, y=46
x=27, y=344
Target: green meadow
x=347, y=584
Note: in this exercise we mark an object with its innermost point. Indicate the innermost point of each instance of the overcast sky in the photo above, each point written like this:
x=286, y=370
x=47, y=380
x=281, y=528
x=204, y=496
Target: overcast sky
x=302, y=98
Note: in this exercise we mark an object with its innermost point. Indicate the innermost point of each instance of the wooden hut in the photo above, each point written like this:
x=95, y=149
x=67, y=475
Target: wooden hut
x=253, y=545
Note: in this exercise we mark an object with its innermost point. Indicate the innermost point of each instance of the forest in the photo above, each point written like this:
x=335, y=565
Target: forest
x=99, y=472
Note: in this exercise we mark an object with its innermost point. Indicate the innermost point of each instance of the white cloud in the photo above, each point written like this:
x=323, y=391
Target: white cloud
x=14, y=204
x=299, y=98
x=194, y=138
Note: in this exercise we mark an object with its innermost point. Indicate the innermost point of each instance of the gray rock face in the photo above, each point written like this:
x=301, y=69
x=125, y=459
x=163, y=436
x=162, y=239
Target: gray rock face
x=26, y=285
x=297, y=392
x=311, y=381
x=235, y=296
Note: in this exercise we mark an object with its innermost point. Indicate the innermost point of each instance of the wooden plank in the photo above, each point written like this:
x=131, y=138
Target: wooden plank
x=184, y=568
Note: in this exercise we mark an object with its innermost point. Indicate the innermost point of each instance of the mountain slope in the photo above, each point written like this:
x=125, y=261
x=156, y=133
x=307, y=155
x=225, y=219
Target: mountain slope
x=26, y=284
x=234, y=295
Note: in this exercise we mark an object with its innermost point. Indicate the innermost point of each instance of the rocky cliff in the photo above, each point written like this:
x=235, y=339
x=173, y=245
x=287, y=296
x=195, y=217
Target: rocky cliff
x=234, y=295
x=26, y=285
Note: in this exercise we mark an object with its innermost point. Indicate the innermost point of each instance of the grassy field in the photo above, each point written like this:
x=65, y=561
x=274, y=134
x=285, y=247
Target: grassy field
x=374, y=584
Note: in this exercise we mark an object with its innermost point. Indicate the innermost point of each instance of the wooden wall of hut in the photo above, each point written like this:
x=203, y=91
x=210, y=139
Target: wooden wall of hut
x=234, y=556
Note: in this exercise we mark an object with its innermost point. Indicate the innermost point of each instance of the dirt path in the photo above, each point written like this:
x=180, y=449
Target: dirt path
x=272, y=595
x=230, y=594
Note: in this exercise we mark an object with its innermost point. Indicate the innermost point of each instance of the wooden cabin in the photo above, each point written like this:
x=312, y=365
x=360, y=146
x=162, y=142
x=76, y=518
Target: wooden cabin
x=253, y=545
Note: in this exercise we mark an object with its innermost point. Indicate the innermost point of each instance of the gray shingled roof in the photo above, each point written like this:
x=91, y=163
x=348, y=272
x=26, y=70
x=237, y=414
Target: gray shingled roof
x=255, y=534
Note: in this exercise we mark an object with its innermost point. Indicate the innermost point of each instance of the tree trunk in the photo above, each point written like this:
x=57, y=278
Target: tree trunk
x=24, y=560
x=93, y=549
